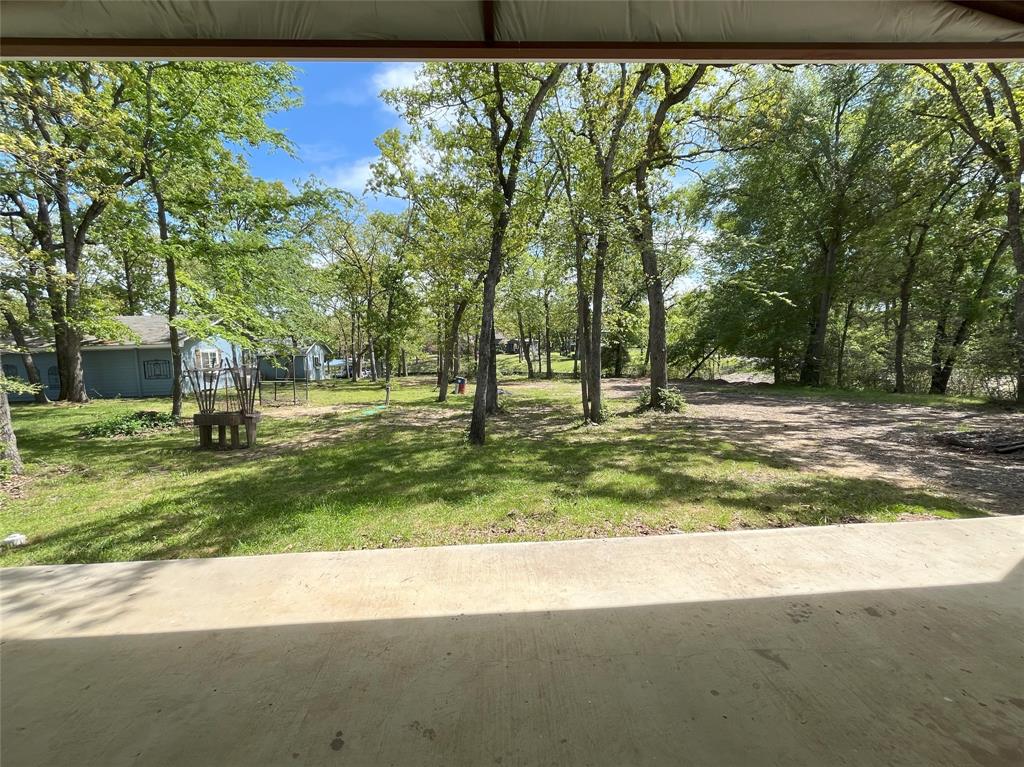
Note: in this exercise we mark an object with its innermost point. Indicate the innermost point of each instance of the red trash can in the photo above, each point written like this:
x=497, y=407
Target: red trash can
x=461, y=385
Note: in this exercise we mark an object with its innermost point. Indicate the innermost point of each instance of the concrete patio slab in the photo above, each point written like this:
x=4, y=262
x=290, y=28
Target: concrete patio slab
x=896, y=644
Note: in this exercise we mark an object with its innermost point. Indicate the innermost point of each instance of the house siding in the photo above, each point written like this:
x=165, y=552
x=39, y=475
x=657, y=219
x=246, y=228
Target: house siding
x=316, y=372
x=303, y=363
x=153, y=387
x=117, y=372
x=44, y=362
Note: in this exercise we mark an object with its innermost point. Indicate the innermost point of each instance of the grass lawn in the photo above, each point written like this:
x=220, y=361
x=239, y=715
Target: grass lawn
x=340, y=474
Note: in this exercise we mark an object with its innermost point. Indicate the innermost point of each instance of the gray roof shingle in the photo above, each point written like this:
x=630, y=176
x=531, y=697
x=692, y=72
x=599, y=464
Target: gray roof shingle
x=152, y=330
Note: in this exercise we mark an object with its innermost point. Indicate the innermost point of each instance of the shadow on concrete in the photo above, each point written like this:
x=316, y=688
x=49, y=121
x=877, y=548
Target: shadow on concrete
x=895, y=677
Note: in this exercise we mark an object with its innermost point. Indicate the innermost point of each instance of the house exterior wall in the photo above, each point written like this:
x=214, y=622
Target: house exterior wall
x=304, y=366
x=45, y=362
x=112, y=373
x=316, y=353
x=138, y=372
x=269, y=371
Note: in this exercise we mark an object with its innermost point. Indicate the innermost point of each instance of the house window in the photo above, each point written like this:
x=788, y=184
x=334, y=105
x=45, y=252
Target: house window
x=10, y=371
x=207, y=359
x=157, y=369
x=53, y=377
x=316, y=362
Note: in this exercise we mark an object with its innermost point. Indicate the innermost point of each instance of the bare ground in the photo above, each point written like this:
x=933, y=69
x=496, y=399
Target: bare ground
x=888, y=441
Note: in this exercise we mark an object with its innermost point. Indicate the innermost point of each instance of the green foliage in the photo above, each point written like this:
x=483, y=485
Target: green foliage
x=15, y=386
x=671, y=400
x=847, y=218
x=130, y=424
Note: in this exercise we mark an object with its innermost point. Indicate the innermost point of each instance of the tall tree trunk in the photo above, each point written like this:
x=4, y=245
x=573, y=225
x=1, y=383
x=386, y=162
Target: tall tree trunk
x=524, y=345
x=1016, y=240
x=941, y=336
x=911, y=250
x=353, y=369
x=657, y=339
x=449, y=352
x=492, y=379
x=68, y=343
x=31, y=371
x=938, y=383
x=8, y=442
x=901, y=329
x=941, y=373
x=841, y=352
x=172, y=294
x=582, y=332
x=373, y=355
x=547, y=334
x=65, y=292
x=596, y=324
x=486, y=345
x=576, y=356
x=442, y=373
x=31, y=297
x=813, y=370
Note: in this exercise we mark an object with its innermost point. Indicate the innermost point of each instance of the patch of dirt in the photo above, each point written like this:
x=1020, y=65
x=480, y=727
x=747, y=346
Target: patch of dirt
x=889, y=441
x=985, y=441
x=894, y=442
x=306, y=411
x=14, y=485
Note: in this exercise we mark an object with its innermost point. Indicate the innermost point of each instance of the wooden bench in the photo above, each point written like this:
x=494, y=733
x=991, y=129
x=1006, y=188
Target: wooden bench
x=224, y=421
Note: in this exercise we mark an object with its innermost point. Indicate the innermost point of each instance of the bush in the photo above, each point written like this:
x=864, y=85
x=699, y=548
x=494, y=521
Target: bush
x=672, y=400
x=129, y=424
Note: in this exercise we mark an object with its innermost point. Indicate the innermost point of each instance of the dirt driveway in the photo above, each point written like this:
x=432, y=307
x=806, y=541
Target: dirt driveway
x=889, y=441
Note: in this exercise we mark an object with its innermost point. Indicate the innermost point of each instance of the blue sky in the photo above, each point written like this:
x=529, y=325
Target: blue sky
x=334, y=129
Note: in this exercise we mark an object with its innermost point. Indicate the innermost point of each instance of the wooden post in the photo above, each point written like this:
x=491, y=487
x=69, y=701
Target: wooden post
x=250, y=431
x=222, y=436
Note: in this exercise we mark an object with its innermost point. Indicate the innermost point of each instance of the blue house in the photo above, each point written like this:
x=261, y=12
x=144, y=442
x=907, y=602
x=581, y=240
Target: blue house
x=122, y=368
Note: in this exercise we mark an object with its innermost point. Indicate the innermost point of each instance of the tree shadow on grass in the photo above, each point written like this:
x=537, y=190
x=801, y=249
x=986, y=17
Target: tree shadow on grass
x=375, y=477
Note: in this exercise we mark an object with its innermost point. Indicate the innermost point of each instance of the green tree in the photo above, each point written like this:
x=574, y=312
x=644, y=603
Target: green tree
x=67, y=152
x=985, y=102
x=187, y=111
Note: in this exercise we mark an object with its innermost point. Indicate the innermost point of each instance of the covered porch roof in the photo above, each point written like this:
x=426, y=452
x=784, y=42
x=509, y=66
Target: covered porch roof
x=694, y=30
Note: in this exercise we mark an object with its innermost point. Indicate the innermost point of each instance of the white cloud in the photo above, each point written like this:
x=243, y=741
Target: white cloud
x=367, y=90
x=350, y=176
x=399, y=74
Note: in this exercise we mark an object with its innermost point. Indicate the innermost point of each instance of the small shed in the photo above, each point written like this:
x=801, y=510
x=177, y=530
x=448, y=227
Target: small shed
x=305, y=363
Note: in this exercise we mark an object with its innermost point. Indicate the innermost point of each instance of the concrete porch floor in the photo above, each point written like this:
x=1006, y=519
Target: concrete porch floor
x=876, y=644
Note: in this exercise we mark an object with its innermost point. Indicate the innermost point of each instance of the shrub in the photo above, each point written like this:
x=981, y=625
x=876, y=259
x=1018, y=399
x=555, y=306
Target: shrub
x=129, y=424
x=672, y=400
